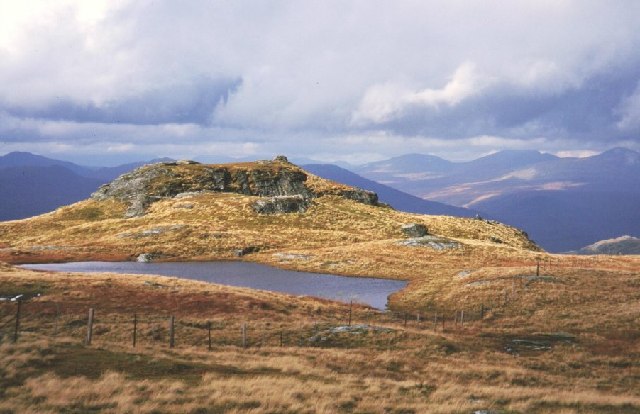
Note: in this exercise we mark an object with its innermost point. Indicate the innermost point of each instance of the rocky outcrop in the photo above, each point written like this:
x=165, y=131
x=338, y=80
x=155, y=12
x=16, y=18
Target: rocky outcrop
x=361, y=196
x=433, y=242
x=281, y=181
x=414, y=230
x=282, y=204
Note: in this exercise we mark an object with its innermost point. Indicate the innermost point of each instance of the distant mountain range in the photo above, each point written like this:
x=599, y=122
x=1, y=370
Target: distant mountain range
x=397, y=199
x=563, y=203
x=32, y=184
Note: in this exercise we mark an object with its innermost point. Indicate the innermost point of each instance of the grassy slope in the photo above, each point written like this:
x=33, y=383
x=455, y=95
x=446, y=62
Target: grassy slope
x=409, y=369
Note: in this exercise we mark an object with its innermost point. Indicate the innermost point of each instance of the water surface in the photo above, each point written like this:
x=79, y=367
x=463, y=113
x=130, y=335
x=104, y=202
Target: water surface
x=371, y=291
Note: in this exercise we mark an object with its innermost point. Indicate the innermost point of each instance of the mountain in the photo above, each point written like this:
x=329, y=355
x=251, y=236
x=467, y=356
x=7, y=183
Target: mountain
x=395, y=198
x=29, y=191
x=32, y=184
x=106, y=174
x=186, y=210
x=619, y=245
x=563, y=203
x=27, y=159
x=406, y=168
x=561, y=221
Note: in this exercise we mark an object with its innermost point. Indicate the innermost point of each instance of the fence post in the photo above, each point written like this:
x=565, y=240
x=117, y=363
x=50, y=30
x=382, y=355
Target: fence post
x=443, y=322
x=418, y=318
x=538, y=266
x=244, y=335
x=482, y=311
x=17, y=327
x=55, y=321
x=89, y=327
x=461, y=318
x=209, y=329
x=350, y=310
x=135, y=329
x=172, y=332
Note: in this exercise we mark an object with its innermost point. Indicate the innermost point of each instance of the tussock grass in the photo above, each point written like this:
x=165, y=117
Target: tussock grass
x=408, y=369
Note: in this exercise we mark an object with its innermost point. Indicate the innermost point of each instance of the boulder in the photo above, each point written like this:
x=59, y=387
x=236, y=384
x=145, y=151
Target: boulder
x=414, y=230
x=433, y=242
x=361, y=196
x=281, y=158
x=146, y=257
x=281, y=204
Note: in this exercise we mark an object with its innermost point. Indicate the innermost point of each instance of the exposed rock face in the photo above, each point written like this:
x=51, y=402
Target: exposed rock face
x=433, y=242
x=414, y=230
x=282, y=204
x=278, y=179
x=361, y=196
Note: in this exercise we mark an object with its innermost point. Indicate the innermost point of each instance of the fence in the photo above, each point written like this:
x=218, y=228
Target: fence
x=48, y=319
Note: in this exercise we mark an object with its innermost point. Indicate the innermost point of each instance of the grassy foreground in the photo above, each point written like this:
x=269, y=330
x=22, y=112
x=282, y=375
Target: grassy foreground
x=293, y=363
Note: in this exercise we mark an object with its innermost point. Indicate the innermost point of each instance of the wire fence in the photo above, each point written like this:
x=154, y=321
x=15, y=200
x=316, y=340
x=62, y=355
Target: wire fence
x=23, y=318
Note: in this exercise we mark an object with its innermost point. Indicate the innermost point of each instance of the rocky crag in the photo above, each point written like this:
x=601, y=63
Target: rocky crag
x=282, y=186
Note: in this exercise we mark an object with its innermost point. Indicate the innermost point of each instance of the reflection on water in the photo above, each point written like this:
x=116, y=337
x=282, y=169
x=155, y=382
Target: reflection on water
x=371, y=291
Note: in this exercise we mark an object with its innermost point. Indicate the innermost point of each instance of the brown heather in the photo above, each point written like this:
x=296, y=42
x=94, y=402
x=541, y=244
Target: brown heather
x=566, y=342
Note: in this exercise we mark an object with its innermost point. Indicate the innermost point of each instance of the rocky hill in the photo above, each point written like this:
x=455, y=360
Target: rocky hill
x=265, y=211
x=618, y=245
x=285, y=183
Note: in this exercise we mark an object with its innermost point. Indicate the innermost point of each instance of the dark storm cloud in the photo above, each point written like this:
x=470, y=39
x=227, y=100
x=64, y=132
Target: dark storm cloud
x=193, y=102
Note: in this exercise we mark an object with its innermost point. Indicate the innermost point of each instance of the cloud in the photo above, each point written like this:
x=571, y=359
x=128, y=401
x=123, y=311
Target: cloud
x=299, y=77
x=629, y=112
x=382, y=103
x=189, y=102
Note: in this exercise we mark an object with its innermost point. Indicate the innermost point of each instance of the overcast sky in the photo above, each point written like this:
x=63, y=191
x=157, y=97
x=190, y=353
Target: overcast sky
x=105, y=82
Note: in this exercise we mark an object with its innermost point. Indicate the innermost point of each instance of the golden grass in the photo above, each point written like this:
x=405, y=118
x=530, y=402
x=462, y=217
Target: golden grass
x=409, y=369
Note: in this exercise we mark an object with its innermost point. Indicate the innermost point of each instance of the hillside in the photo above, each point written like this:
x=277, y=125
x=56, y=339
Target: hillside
x=31, y=184
x=29, y=191
x=395, y=198
x=594, y=196
x=619, y=246
x=191, y=211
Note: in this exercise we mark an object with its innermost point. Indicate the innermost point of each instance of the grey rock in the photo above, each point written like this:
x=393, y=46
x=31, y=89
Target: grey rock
x=479, y=283
x=414, y=230
x=246, y=250
x=281, y=204
x=146, y=257
x=292, y=256
x=187, y=206
x=361, y=196
x=433, y=242
x=281, y=158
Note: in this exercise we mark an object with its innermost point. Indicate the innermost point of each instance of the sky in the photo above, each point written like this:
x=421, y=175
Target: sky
x=107, y=82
